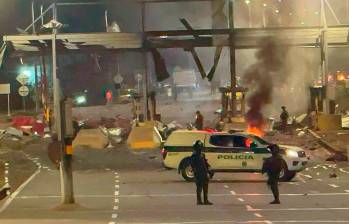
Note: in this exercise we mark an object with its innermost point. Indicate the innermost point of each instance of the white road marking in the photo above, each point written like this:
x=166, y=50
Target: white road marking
x=111, y=222
x=319, y=180
x=244, y=222
x=114, y=216
x=346, y=191
x=258, y=215
x=324, y=167
x=181, y=195
x=117, y=177
x=333, y=185
x=116, y=173
x=116, y=193
x=19, y=189
x=317, y=174
x=224, y=195
x=249, y=208
x=296, y=209
x=305, y=175
x=117, y=181
x=240, y=199
x=117, y=186
x=306, y=169
x=57, y=196
x=233, y=192
x=342, y=170
x=226, y=186
x=115, y=207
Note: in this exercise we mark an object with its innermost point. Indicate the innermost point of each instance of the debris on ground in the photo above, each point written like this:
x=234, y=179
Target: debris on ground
x=14, y=132
x=333, y=175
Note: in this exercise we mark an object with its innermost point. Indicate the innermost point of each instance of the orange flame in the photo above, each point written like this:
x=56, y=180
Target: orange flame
x=255, y=131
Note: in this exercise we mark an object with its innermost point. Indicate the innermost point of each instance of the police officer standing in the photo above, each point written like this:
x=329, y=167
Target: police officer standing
x=272, y=166
x=200, y=168
x=199, y=120
x=284, y=117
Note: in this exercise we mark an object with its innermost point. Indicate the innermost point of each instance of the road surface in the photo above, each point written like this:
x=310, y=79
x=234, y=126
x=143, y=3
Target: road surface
x=155, y=195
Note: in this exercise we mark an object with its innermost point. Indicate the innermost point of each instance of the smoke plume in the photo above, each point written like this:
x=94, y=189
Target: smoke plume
x=261, y=77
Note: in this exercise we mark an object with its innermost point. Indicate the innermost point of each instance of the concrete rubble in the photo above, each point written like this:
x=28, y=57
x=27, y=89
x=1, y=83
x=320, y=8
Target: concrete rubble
x=92, y=138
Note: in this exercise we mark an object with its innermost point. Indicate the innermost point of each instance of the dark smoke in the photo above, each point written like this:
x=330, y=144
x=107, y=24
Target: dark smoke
x=263, y=76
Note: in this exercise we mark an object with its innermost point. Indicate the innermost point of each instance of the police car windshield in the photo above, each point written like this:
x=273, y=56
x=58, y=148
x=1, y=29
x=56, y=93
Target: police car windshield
x=260, y=140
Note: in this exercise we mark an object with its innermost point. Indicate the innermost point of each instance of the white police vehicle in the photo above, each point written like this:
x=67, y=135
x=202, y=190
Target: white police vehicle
x=225, y=152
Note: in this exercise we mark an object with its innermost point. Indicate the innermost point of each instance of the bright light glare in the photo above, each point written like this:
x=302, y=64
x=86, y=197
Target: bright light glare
x=291, y=153
x=80, y=99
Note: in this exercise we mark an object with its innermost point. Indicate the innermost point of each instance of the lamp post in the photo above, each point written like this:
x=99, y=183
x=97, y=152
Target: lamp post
x=263, y=15
x=248, y=3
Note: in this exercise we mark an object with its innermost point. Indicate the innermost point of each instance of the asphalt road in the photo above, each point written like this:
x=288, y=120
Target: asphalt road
x=155, y=195
x=161, y=197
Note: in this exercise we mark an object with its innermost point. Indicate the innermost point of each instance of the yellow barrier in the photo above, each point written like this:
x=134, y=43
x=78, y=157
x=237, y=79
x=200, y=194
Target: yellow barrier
x=144, y=137
x=329, y=122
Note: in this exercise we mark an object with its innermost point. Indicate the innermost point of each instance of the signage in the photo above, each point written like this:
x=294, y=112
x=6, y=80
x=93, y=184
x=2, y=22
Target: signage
x=5, y=89
x=23, y=91
x=118, y=79
x=23, y=79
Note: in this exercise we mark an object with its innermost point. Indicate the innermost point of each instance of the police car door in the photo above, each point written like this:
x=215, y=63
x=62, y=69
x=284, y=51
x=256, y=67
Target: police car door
x=223, y=155
x=259, y=147
x=245, y=158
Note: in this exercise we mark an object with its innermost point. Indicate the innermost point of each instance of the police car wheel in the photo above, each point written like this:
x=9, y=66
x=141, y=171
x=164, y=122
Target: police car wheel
x=285, y=174
x=187, y=172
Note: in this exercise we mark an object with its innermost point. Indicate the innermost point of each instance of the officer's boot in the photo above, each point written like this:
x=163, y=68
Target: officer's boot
x=206, y=201
x=275, y=190
x=198, y=194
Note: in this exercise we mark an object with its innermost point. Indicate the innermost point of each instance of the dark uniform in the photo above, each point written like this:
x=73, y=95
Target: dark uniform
x=284, y=117
x=272, y=166
x=200, y=168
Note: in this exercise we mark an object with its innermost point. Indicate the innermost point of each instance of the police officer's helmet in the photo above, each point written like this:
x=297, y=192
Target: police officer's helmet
x=274, y=149
x=198, y=145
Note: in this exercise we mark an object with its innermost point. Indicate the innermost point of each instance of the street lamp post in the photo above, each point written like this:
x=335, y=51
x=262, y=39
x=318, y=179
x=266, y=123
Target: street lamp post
x=263, y=15
x=248, y=3
x=67, y=192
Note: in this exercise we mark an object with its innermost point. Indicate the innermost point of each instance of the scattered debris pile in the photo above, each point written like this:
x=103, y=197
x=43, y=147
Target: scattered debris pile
x=106, y=132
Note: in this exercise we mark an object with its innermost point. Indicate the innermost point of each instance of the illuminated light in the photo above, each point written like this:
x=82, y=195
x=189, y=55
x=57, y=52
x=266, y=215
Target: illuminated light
x=290, y=14
x=26, y=72
x=330, y=78
x=163, y=37
x=265, y=4
x=302, y=23
x=247, y=2
x=341, y=77
x=291, y=153
x=317, y=13
x=80, y=100
x=277, y=11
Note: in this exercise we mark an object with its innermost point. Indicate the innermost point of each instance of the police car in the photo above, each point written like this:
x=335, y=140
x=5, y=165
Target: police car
x=225, y=152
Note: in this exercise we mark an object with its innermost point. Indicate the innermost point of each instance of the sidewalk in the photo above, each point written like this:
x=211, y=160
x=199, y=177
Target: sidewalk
x=38, y=200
